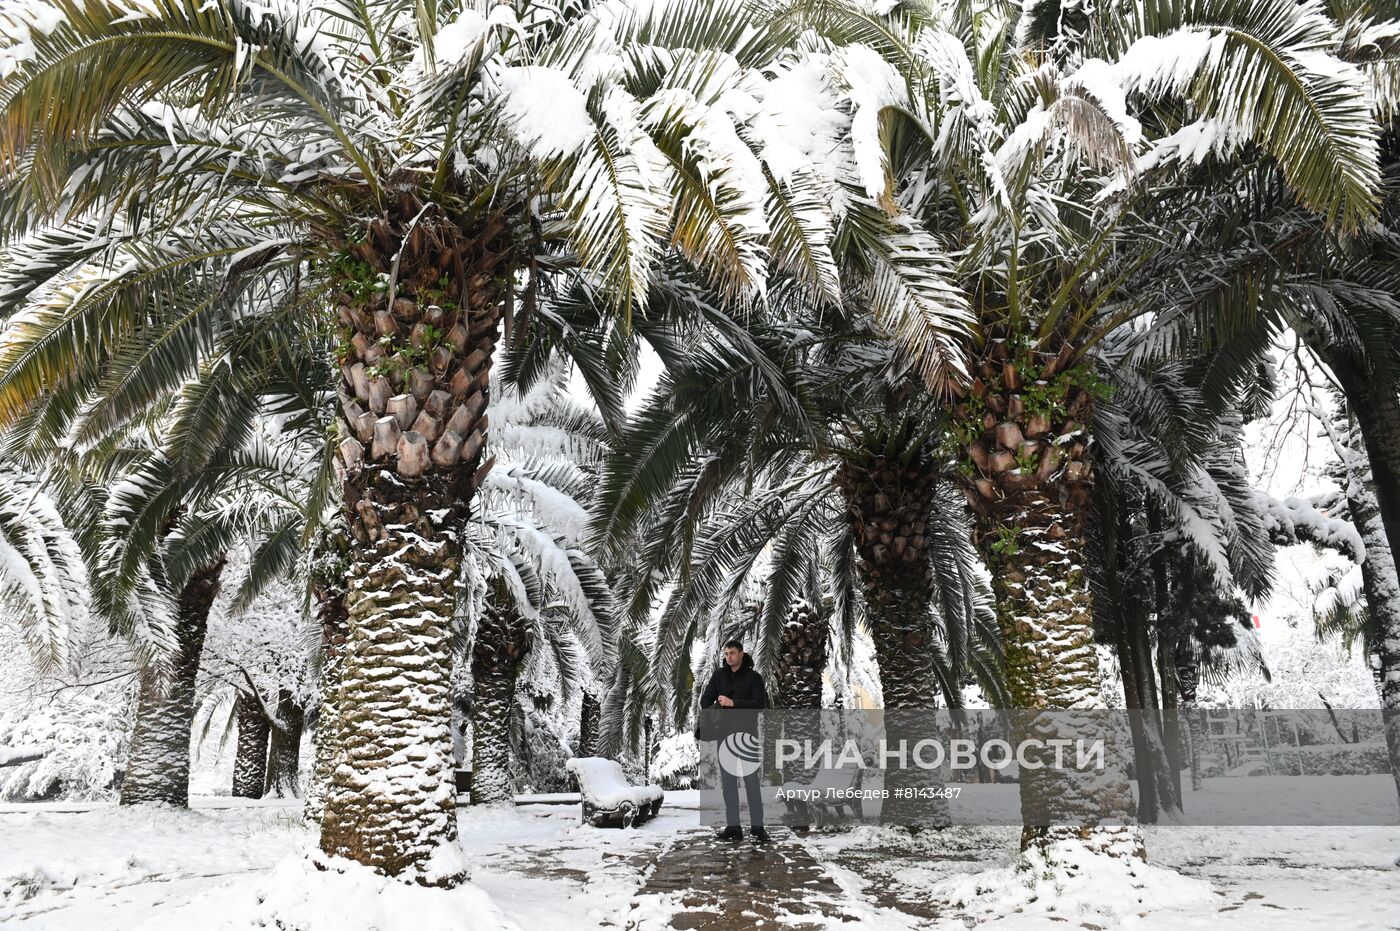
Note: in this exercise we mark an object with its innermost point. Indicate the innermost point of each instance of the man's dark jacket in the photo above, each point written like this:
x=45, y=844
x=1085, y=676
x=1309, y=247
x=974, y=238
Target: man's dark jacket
x=745, y=688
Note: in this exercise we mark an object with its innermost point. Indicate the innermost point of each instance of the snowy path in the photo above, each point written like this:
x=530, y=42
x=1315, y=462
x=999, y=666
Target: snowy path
x=117, y=869
x=705, y=884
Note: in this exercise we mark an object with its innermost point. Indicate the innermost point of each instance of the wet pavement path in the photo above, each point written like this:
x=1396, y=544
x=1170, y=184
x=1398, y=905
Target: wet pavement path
x=703, y=884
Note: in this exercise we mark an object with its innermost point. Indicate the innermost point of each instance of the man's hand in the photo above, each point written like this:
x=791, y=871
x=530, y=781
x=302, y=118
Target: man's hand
x=725, y=701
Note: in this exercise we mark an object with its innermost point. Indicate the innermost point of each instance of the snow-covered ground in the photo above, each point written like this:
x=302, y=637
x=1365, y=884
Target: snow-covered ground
x=537, y=868
x=113, y=868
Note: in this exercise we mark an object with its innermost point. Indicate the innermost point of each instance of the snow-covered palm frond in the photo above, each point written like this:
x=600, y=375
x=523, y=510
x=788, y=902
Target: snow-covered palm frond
x=89, y=312
x=1155, y=437
x=1339, y=606
x=871, y=85
x=567, y=576
x=913, y=296
x=800, y=226
x=724, y=554
x=1373, y=44
x=968, y=132
x=631, y=691
x=43, y=578
x=233, y=47
x=215, y=717
x=549, y=498
x=608, y=177
x=721, y=218
x=161, y=524
x=1267, y=70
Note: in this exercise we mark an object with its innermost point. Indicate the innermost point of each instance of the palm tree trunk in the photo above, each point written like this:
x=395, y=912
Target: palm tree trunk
x=1381, y=584
x=1376, y=407
x=284, y=748
x=888, y=504
x=1167, y=635
x=501, y=645
x=1120, y=615
x=1028, y=480
x=1043, y=610
x=590, y=719
x=158, y=761
x=413, y=420
x=250, y=760
x=334, y=627
x=797, y=687
x=1187, y=677
x=1130, y=669
x=801, y=659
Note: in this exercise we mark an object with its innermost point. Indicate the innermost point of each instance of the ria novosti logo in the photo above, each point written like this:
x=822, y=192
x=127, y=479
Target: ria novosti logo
x=740, y=754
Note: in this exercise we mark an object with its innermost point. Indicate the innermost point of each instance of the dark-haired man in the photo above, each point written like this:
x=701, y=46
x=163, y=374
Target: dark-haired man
x=735, y=684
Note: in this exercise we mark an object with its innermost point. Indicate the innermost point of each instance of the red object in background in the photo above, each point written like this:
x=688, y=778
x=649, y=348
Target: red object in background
x=1256, y=620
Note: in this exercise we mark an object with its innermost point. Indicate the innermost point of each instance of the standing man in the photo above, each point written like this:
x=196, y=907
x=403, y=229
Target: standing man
x=735, y=685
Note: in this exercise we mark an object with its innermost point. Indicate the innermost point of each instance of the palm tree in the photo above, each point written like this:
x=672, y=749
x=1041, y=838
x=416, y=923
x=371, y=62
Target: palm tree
x=172, y=534
x=810, y=461
x=418, y=161
x=544, y=594
x=1272, y=265
x=169, y=476
x=250, y=756
x=759, y=439
x=326, y=580
x=800, y=660
x=1025, y=140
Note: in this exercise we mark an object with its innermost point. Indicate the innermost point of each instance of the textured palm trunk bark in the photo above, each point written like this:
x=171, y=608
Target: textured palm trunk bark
x=1130, y=669
x=1043, y=611
x=1187, y=677
x=590, y=719
x=888, y=504
x=1153, y=724
x=797, y=687
x=501, y=645
x=330, y=606
x=250, y=759
x=1115, y=613
x=414, y=391
x=284, y=749
x=158, y=761
x=802, y=653
x=1028, y=478
x=1167, y=635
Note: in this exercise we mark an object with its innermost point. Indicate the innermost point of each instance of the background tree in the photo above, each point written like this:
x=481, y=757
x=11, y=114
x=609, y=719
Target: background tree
x=545, y=594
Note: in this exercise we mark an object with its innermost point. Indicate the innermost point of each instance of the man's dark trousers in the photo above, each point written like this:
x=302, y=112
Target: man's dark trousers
x=729, y=785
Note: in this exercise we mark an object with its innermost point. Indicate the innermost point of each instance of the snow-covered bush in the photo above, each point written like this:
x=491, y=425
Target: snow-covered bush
x=84, y=737
x=1333, y=760
x=676, y=762
x=542, y=752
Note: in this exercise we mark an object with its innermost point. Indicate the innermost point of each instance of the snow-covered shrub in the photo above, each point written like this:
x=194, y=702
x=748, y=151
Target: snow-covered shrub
x=85, y=739
x=677, y=759
x=542, y=753
x=1333, y=760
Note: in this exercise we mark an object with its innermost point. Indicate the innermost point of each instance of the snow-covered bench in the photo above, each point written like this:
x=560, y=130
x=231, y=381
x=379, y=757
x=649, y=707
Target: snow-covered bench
x=809, y=803
x=16, y=756
x=607, y=796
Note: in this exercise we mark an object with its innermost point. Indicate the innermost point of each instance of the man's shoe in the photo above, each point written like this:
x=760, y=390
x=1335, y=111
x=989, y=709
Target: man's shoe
x=730, y=833
x=760, y=835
